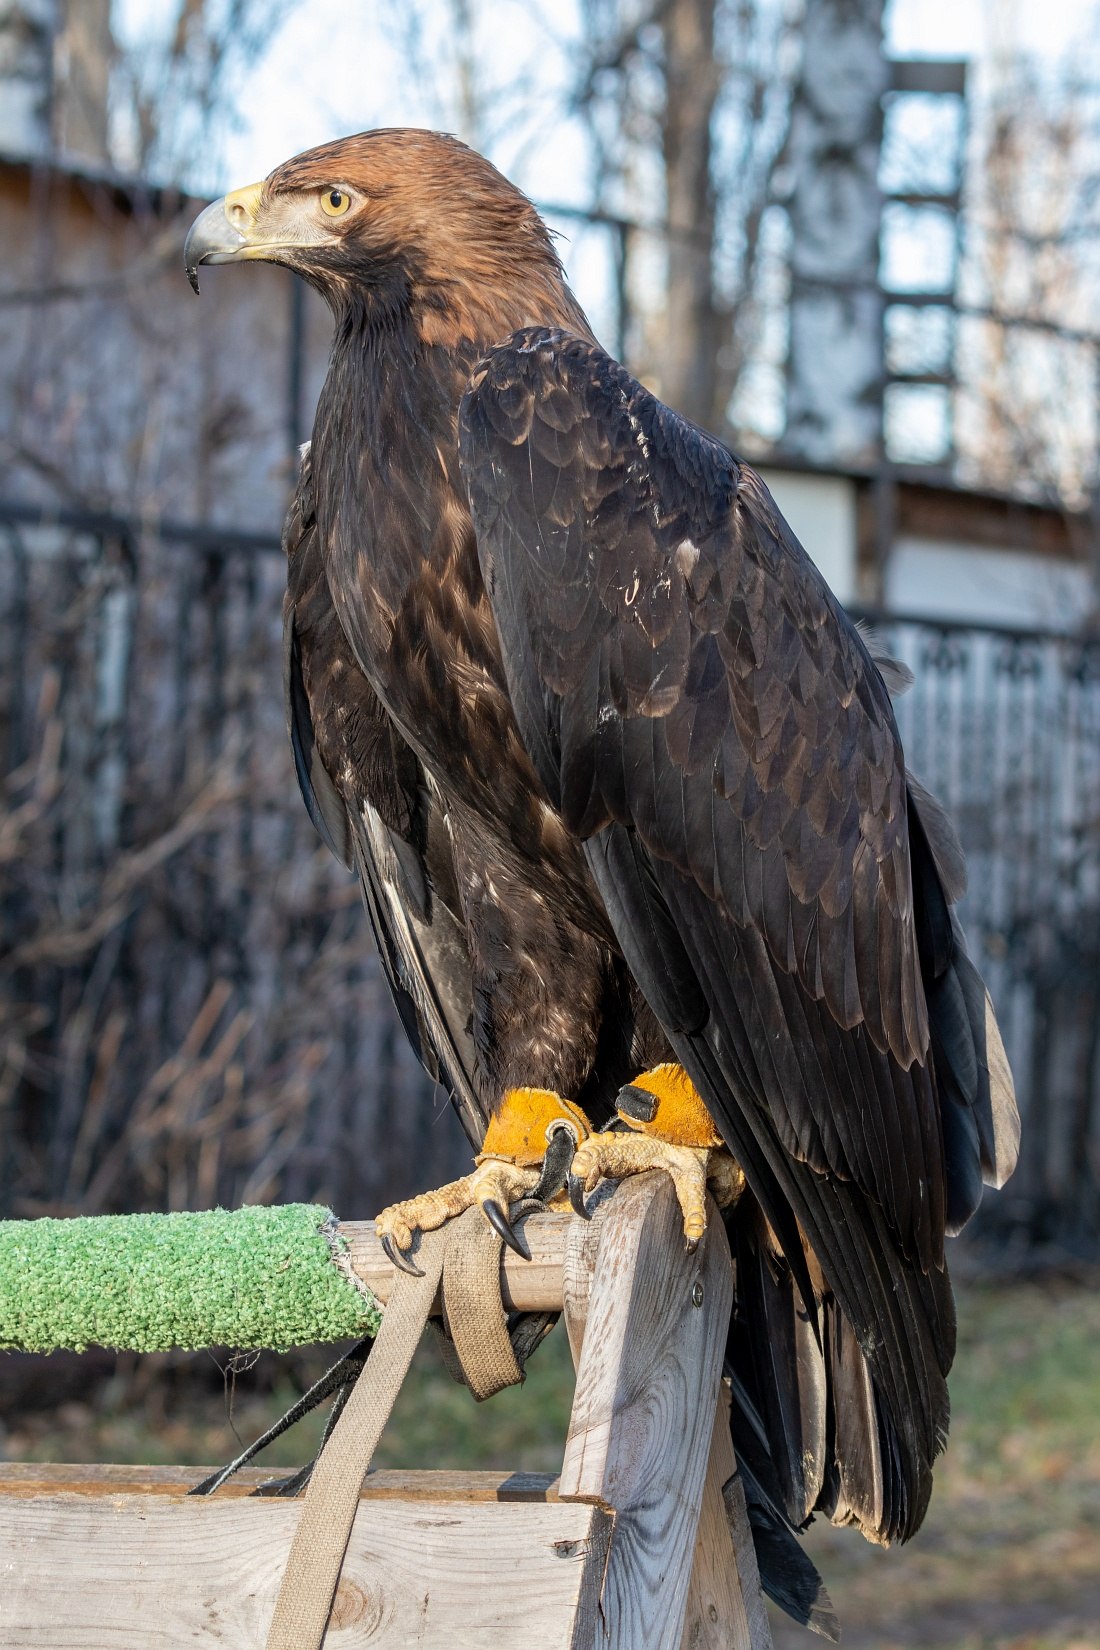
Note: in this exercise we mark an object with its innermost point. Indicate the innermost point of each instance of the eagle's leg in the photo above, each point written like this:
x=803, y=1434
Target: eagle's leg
x=668, y=1127
x=527, y=1151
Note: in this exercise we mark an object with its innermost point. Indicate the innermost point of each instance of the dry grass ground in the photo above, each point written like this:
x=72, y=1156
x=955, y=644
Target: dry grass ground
x=1009, y=1558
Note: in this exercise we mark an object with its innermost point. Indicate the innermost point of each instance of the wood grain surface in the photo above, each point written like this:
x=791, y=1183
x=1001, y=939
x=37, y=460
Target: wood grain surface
x=641, y=1544
x=526, y=1285
x=19, y=1480
x=643, y=1415
x=725, y=1608
x=81, y=1573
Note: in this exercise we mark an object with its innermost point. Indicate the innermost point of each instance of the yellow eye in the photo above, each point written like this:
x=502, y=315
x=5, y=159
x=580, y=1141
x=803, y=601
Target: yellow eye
x=334, y=201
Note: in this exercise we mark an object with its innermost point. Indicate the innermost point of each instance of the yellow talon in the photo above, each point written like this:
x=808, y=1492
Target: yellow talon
x=614, y=1156
x=521, y=1128
x=669, y=1129
x=665, y=1102
x=508, y=1167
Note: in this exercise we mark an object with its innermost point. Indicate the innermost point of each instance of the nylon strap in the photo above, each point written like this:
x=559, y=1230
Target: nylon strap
x=478, y=1327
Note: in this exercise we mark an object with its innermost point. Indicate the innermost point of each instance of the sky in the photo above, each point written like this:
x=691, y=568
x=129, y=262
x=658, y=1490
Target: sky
x=337, y=66
x=340, y=66
x=975, y=28
x=329, y=69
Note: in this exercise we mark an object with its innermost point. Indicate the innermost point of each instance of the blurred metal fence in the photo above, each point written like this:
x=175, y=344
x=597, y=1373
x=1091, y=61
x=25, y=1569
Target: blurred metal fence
x=190, y=1011
x=1004, y=725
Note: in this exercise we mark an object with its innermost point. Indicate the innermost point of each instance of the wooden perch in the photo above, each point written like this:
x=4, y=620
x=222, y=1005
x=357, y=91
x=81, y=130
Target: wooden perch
x=640, y=1544
x=533, y=1285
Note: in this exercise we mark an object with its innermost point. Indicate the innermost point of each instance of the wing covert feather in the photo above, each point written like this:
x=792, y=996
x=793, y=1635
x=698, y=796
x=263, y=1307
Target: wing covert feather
x=679, y=667
x=640, y=573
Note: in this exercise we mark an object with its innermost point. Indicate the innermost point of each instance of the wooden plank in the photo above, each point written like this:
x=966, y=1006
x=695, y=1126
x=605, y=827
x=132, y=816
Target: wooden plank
x=643, y=1415
x=725, y=1609
x=526, y=1285
x=79, y=1573
x=23, y=1481
x=582, y=1246
x=89, y=1556
x=737, y=1515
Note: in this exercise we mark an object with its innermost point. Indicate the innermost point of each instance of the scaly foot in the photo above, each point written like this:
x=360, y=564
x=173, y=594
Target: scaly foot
x=670, y=1129
x=495, y=1184
x=527, y=1151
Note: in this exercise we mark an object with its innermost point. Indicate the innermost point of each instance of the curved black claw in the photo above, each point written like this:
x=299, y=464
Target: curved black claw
x=399, y=1258
x=500, y=1223
x=576, y=1195
x=555, y=1165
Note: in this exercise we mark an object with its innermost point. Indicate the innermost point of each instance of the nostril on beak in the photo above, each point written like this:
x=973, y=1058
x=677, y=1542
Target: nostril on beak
x=238, y=217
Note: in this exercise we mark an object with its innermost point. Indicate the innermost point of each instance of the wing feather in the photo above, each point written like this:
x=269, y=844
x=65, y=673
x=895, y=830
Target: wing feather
x=707, y=720
x=367, y=795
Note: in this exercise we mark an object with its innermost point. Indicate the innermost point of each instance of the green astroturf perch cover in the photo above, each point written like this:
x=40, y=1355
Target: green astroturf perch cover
x=239, y=1278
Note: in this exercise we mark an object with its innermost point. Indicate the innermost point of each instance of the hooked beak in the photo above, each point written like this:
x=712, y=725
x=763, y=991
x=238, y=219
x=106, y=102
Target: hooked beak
x=222, y=233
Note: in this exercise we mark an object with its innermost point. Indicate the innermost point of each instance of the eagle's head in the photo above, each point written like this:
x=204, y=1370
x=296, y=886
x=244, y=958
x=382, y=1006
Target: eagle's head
x=394, y=221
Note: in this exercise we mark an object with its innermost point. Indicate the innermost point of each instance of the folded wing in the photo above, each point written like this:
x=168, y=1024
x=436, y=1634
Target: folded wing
x=708, y=721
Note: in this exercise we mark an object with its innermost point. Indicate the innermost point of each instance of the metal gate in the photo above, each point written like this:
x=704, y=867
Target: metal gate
x=190, y=1008
x=1005, y=727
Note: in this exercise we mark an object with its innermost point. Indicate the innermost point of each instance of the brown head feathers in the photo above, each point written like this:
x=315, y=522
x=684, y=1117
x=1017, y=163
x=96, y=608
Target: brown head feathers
x=429, y=226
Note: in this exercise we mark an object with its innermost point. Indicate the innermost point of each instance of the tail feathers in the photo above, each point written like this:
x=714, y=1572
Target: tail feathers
x=865, y=1484
x=981, y=1125
x=809, y=1417
x=787, y=1364
x=787, y=1575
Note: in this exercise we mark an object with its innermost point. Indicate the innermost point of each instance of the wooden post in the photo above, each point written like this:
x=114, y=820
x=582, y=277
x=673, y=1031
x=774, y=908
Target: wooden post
x=526, y=1285
x=649, y=1335
x=725, y=1609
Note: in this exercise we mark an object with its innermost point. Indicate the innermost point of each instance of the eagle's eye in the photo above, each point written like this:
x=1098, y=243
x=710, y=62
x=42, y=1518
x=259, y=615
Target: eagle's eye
x=334, y=201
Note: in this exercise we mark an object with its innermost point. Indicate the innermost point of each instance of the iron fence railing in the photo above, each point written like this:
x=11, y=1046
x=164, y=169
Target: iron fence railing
x=1004, y=725
x=189, y=1004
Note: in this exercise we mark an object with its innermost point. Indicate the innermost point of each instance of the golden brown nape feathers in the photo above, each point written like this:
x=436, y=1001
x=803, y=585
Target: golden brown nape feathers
x=413, y=220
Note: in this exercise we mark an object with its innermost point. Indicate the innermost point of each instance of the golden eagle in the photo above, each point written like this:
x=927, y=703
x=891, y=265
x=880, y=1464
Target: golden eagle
x=624, y=790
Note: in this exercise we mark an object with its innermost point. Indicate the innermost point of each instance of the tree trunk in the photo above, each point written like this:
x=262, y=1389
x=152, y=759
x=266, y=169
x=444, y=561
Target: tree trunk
x=26, y=42
x=686, y=363
x=83, y=54
x=835, y=361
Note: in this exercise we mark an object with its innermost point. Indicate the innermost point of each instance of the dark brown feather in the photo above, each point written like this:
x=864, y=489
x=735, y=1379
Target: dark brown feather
x=746, y=744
